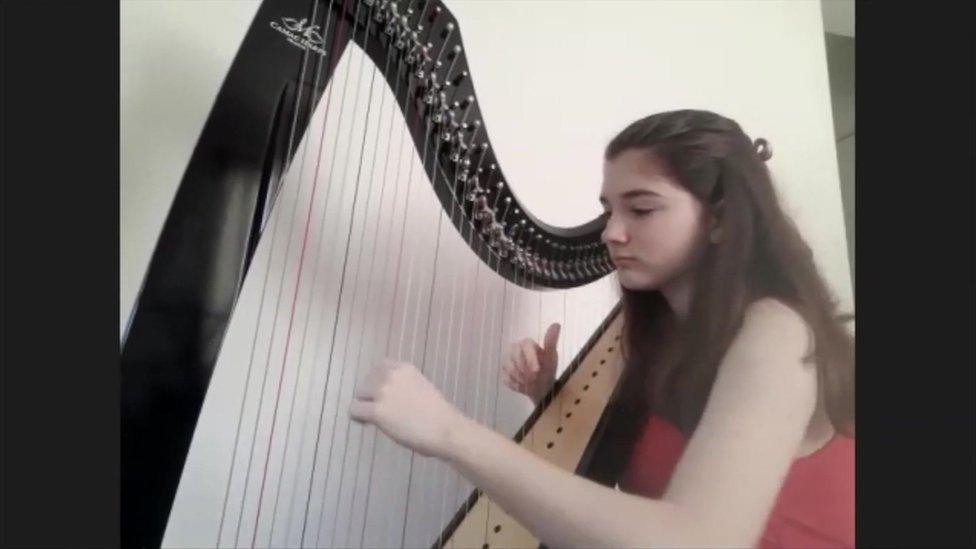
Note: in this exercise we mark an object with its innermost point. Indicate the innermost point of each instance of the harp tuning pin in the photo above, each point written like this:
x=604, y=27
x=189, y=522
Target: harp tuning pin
x=448, y=29
x=497, y=229
x=472, y=189
x=455, y=51
x=460, y=77
x=456, y=155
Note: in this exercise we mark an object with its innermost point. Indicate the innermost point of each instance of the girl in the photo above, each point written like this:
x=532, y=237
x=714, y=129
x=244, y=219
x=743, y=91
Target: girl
x=739, y=373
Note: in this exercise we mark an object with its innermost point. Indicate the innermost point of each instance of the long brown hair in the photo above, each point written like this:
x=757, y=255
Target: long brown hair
x=670, y=366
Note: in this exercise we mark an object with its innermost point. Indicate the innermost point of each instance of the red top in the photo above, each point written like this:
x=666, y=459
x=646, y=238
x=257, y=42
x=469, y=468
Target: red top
x=815, y=506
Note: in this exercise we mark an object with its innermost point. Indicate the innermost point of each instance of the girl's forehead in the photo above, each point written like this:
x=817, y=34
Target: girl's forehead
x=629, y=183
x=637, y=169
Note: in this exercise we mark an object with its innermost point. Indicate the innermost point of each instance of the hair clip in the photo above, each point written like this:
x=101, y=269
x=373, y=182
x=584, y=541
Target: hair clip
x=763, y=149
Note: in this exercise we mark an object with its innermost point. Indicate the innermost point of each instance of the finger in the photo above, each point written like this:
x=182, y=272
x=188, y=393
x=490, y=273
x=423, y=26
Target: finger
x=551, y=338
x=514, y=381
x=514, y=353
x=362, y=411
x=510, y=382
x=366, y=392
x=507, y=370
x=371, y=383
x=529, y=355
x=518, y=377
x=521, y=365
x=514, y=370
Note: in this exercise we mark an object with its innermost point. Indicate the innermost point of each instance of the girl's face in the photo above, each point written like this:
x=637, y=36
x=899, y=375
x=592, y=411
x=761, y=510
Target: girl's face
x=656, y=230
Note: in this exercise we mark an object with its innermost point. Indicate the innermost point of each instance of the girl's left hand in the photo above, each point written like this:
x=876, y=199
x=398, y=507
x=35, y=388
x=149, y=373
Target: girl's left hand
x=401, y=402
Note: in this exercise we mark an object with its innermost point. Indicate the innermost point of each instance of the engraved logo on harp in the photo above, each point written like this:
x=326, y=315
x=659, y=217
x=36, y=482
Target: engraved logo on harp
x=300, y=34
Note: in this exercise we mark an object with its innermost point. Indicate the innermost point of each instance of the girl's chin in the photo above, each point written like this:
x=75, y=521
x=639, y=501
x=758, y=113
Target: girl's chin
x=635, y=280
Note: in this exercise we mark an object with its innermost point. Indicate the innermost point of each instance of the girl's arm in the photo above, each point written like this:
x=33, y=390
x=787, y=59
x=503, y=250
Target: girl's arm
x=723, y=487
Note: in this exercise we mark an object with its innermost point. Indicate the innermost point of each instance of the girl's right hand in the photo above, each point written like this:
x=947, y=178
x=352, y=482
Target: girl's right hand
x=530, y=369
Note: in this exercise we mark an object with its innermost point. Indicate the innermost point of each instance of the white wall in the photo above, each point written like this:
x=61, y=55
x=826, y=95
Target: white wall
x=556, y=81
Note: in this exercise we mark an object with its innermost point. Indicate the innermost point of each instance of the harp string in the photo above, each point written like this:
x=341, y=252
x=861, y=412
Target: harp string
x=492, y=366
x=415, y=324
x=272, y=499
x=481, y=350
x=446, y=473
x=359, y=360
x=413, y=338
x=501, y=343
x=352, y=223
x=338, y=32
x=396, y=193
x=480, y=359
x=442, y=345
x=344, y=268
x=273, y=211
x=281, y=286
x=457, y=367
x=304, y=339
x=364, y=315
x=294, y=395
x=300, y=361
x=396, y=285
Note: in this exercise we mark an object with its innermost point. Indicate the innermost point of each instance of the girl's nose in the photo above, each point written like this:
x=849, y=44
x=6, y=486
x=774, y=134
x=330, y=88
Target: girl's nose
x=613, y=232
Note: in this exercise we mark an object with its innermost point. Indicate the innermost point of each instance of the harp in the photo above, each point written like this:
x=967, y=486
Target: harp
x=206, y=435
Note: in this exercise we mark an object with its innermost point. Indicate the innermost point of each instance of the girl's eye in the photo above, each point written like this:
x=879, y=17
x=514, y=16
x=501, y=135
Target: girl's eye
x=642, y=213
